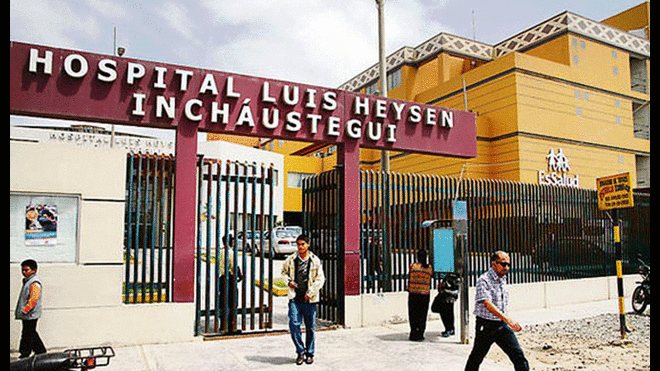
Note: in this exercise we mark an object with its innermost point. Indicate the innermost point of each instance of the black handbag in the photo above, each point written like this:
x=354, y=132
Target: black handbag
x=437, y=303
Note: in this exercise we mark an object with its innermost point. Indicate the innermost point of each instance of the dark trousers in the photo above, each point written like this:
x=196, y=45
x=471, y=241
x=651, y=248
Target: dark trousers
x=447, y=315
x=30, y=340
x=418, y=307
x=489, y=332
x=228, y=298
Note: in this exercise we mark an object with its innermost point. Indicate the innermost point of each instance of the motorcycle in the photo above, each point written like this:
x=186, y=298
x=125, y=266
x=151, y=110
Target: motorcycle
x=641, y=296
x=83, y=359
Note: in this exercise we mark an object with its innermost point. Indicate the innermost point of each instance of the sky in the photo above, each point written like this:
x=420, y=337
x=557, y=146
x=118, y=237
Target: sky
x=323, y=43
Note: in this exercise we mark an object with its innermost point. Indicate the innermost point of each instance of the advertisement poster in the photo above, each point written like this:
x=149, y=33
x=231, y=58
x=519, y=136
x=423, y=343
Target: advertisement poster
x=40, y=224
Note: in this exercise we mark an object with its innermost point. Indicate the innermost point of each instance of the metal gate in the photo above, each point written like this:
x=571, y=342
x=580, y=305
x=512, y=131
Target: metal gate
x=321, y=200
x=148, y=228
x=234, y=291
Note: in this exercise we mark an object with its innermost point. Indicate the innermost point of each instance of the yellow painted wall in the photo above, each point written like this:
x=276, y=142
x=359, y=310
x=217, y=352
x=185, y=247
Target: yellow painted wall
x=570, y=89
x=588, y=163
x=299, y=164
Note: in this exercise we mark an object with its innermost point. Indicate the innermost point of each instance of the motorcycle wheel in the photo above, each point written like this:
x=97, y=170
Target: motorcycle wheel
x=639, y=299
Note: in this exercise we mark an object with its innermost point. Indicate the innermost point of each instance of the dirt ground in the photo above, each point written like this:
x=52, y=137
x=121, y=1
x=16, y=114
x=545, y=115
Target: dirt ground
x=588, y=344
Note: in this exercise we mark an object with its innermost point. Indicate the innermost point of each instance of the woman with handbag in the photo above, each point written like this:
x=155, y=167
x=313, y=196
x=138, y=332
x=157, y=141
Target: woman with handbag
x=419, y=293
x=444, y=302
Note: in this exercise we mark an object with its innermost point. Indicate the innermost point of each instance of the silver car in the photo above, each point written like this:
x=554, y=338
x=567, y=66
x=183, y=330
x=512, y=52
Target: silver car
x=283, y=239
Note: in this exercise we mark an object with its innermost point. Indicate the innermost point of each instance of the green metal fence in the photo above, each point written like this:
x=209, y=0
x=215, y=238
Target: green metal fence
x=148, y=228
x=551, y=233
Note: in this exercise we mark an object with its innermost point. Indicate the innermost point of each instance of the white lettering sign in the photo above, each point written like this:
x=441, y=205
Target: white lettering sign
x=373, y=118
x=557, y=168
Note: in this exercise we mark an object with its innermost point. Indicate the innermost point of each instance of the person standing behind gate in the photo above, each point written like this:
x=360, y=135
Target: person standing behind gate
x=303, y=272
x=228, y=285
x=419, y=293
x=493, y=325
x=28, y=310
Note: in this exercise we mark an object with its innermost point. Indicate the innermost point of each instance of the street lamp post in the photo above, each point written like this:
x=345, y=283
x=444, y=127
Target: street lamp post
x=384, y=154
x=115, y=51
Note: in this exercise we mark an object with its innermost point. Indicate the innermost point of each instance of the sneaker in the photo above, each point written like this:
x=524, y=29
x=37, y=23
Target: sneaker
x=300, y=359
x=310, y=359
x=447, y=334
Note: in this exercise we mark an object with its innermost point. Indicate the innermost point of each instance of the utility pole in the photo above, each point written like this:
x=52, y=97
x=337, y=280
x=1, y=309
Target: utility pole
x=384, y=154
x=114, y=51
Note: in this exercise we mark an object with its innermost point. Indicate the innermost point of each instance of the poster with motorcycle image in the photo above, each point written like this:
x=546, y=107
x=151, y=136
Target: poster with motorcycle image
x=40, y=224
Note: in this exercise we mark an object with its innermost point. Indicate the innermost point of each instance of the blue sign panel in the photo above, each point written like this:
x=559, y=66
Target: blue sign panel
x=460, y=210
x=443, y=250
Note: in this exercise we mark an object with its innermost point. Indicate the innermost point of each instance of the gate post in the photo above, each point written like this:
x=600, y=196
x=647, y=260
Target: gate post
x=348, y=160
x=185, y=186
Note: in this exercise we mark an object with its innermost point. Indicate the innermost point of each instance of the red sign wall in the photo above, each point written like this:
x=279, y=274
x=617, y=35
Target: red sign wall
x=68, y=84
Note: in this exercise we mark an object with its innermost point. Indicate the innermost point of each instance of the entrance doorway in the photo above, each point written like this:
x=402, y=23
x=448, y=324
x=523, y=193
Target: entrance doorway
x=237, y=277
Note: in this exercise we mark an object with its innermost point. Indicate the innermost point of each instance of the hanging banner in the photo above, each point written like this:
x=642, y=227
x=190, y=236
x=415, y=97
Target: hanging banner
x=69, y=84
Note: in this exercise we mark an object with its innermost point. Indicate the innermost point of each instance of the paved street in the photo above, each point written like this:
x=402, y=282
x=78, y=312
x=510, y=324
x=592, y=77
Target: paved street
x=374, y=348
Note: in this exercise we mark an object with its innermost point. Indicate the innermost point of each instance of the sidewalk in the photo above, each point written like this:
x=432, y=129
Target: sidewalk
x=375, y=348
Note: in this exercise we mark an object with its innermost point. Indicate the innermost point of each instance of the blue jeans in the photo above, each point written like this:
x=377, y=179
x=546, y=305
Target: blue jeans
x=299, y=312
x=489, y=332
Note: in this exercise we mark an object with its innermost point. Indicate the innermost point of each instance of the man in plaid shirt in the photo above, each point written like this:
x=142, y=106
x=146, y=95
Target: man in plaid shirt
x=493, y=325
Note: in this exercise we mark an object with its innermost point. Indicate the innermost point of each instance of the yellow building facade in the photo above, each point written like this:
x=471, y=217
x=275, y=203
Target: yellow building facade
x=561, y=103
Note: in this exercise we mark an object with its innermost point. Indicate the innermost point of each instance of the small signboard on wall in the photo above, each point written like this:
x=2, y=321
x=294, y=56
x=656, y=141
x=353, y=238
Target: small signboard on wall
x=615, y=192
x=40, y=224
x=43, y=227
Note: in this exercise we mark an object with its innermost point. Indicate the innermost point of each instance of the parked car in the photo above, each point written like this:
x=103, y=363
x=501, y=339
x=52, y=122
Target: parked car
x=569, y=252
x=283, y=239
x=252, y=243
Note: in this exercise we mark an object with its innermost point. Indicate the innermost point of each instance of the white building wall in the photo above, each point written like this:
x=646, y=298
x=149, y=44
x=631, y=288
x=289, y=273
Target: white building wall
x=220, y=150
x=83, y=298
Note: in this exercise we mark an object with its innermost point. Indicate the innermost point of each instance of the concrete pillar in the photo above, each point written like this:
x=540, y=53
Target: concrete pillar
x=348, y=159
x=185, y=189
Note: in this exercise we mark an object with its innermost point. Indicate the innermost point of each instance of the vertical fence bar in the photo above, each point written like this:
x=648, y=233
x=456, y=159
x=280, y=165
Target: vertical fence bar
x=245, y=238
x=198, y=252
x=253, y=227
x=145, y=241
x=158, y=226
x=130, y=176
x=218, y=245
x=138, y=215
x=271, y=182
x=152, y=236
x=262, y=224
x=168, y=232
x=206, y=256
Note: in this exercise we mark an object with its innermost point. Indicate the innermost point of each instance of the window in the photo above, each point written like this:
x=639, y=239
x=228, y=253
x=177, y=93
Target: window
x=372, y=88
x=393, y=79
x=641, y=122
x=295, y=180
x=638, y=76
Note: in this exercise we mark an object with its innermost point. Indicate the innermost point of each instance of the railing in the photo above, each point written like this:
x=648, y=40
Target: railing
x=148, y=228
x=551, y=233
